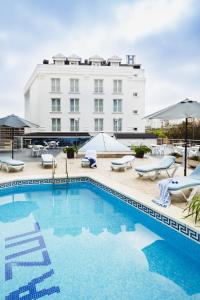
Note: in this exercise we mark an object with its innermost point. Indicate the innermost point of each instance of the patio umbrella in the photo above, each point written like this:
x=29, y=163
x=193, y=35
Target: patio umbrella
x=183, y=110
x=13, y=122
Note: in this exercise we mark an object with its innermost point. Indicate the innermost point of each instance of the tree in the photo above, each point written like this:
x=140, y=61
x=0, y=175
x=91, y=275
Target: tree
x=160, y=132
x=178, y=131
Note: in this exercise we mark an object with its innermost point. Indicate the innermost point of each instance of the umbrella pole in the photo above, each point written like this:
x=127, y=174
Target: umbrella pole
x=12, y=138
x=186, y=138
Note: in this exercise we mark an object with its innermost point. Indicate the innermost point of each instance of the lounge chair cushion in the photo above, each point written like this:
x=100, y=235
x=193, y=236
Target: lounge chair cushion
x=179, y=183
x=183, y=183
x=12, y=162
x=48, y=159
x=124, y=160
x=150, y=168
x=164, y=163
x=167, y=161
x=196, y=173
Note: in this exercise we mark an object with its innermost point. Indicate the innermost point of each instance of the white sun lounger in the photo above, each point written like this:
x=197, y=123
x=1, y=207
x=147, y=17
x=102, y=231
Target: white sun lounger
x=11, y=164
x=88, y=154
x=48, y=160
x=123, y=163
x=153, y=170
x=183, y=184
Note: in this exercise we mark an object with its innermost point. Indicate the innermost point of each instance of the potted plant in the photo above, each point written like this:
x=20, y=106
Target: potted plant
x=140, y=150
x=179, y=157
x=193, y=208
x=70, y=150
x=194, y=161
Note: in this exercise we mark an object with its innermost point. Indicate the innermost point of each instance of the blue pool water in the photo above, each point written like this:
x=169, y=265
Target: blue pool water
x=77, y=241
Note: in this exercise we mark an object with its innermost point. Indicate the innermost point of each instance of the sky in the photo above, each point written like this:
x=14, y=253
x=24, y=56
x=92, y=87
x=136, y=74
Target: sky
x=162, y=34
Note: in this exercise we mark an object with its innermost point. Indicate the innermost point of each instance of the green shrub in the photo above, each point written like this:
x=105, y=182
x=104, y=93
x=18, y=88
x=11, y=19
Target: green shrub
x=193, y=208
x=160, y=133
x=70, y=149
x=141, y=148
x=175, y=154
x=195, y=157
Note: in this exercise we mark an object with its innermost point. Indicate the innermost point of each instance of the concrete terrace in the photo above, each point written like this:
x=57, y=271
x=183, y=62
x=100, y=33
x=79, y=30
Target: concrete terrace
x=128, y=182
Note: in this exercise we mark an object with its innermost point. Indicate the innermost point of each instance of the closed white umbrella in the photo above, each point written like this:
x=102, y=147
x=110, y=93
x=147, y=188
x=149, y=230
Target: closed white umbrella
x=182, y=110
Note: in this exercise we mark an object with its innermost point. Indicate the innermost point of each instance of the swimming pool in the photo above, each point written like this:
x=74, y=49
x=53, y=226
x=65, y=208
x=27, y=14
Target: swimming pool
x=78, y=241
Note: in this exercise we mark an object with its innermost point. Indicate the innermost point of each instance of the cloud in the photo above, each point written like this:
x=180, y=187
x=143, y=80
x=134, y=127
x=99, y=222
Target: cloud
x=143, y=18
x=161, y=93
x=190, y=67
x=42, y=34
x=3, y=36
x=131, y=22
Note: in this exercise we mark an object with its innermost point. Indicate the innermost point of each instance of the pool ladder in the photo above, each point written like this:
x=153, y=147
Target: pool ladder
x=53, y=170
x=66, y=169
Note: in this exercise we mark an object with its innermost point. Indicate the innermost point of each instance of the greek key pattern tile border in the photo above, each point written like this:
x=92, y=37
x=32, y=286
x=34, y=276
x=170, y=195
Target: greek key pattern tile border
x=183, y=229
x=17, y=183
x=156, y=215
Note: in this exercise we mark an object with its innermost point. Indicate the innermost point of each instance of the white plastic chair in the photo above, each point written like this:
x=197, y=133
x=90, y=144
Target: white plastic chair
x=35, y=151
x=45, y=143
x=45, y=149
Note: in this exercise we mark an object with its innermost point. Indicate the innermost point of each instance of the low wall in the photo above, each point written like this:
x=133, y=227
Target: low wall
x=137, y=142
x=106, y=154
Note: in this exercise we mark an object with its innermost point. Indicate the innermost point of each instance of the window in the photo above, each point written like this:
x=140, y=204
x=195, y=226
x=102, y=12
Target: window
x=55, y=105
x=135, y=94
x=117, y=86
x=74, y=124
x=98, y=124
x=135, y=128
x=98, y=85
x=74, y=85
x=74, y=105
x=55, y=84
x=56, y=124
x=98, y=105
x=135, y=112
x=117, y=105
x=117, y=124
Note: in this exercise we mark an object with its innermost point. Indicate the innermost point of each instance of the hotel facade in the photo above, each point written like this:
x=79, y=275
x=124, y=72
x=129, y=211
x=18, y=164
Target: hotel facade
x=71, y=95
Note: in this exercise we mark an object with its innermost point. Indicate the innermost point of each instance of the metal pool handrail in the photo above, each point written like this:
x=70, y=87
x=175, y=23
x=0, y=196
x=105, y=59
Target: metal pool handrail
x=53, y=170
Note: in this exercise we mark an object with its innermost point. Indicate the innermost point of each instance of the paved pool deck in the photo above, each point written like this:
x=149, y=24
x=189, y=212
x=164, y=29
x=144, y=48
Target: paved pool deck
x=128, y=182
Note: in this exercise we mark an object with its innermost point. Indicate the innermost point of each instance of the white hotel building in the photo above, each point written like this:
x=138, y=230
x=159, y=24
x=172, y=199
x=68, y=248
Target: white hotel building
x=71, y=95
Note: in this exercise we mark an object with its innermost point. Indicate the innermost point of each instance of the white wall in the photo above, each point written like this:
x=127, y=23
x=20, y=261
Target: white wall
x=39, y=86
